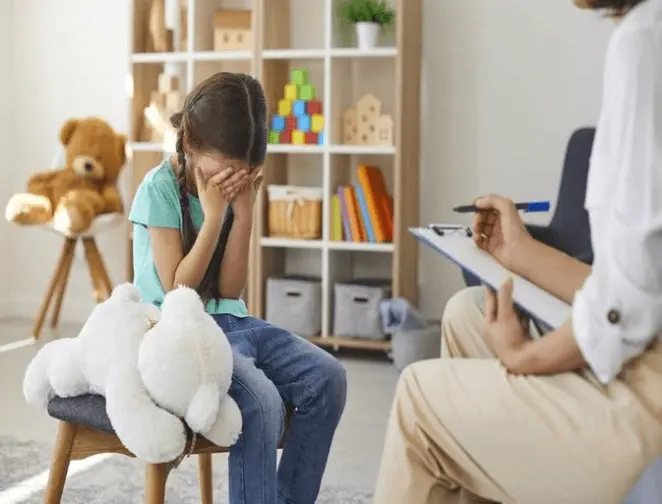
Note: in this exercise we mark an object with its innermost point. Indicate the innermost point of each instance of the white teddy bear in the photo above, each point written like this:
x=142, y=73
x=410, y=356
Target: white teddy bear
x=185, y=362
x=103, y=360
x=153, y=367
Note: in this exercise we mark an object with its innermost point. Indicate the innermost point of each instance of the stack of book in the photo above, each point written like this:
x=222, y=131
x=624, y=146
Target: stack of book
x=363, y=212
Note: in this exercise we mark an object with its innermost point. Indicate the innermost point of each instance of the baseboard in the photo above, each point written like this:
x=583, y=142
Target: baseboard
x=74, y=311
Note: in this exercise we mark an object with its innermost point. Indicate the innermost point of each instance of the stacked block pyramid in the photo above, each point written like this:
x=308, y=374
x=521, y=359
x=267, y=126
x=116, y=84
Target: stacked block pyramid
x=299, y=120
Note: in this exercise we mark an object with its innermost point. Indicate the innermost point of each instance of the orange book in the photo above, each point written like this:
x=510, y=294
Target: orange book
x=372, y=202
x=386, y=211
x=358, y=233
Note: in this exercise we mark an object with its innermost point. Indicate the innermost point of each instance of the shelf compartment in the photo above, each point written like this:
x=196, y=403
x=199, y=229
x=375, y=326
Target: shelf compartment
x=294, y=24
x=203, y=69
x=225, y=27
x=344, y=32
x=150, y=33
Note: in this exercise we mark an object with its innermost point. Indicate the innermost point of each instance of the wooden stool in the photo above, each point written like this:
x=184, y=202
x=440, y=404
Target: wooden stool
x=99, y=275
x=85, y=430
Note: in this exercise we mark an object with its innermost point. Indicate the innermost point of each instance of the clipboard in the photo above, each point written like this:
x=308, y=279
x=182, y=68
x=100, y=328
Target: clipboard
x=535, y=302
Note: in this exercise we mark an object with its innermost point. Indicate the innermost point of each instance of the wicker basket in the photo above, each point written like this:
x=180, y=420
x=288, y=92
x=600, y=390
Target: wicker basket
x=295, y=212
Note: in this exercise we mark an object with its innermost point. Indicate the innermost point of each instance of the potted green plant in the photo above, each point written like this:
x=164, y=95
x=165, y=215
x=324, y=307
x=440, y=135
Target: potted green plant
x=369, y=17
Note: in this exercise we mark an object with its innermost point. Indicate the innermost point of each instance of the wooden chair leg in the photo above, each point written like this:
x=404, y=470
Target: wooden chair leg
x=62, y=286
x=60, y=465
x=95, y=276
x=68, y=248
x=206, y=481
x=156, y=476
x=101, y=267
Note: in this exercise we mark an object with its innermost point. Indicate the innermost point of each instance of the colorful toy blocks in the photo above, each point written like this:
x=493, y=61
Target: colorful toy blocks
x=317, y=123
x=299, y=120
x=299, y=108
x=298, y=137
x=284, y=107
x=303, y=123
x=307, y=92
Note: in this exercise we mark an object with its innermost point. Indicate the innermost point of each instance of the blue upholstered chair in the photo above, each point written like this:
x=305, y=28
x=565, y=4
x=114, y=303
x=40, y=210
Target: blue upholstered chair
x=569, y=229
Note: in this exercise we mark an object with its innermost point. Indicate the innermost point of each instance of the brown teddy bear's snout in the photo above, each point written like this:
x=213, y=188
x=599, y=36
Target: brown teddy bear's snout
x=87, y=166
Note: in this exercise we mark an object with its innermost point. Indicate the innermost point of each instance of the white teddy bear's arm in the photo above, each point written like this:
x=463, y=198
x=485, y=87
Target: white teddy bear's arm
x=203, y=408
x=149, y=432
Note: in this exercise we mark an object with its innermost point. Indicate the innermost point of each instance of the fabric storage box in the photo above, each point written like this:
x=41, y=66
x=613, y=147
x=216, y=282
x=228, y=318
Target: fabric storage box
x=295, y=303
x=413, y=345
x=356, y=312
x=295, y=212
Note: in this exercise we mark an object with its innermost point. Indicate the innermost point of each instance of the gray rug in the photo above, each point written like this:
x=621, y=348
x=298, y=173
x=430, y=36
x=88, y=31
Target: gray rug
x=119, y=480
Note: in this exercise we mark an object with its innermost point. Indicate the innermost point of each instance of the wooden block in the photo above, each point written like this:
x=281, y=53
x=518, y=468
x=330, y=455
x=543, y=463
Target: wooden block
x=298, y=137
x=284, y=107
x=226, y=39
x=299, y=108
x=291, y=92
x=317, y=123
x=307, y=92
x=274, y=137
x=291, y=123
x=299, y=76
x=286, y=137
x=314, y=107
x=233, y=19
x=350, y=129
x=278, y=123
x=311, y=138
x=320, y=139
x=303, y=123
x=385, y=130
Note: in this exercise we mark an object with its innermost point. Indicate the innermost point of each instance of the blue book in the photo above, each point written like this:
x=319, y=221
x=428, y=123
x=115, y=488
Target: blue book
x=365, y=216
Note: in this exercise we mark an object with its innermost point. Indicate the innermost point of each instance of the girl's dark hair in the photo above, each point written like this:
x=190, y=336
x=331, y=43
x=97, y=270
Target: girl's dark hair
x=226, y=113
x=616, y=7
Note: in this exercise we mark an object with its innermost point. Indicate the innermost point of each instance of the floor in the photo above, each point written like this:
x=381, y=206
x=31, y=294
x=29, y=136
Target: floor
x=357, y=446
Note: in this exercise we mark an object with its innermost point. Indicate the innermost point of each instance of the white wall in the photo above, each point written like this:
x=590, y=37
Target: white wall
x=70, y=59
x=505, y=82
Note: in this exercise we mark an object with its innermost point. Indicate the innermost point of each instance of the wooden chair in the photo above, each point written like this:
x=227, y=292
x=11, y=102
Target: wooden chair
x=85, y=430
x=99, y=275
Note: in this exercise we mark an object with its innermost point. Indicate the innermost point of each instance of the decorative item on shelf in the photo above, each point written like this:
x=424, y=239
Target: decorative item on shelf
x=365, y=124
x=168, y=26
x=164, y=102
x=233, y=30
x=295, y=212
x=300, y=120
x=369, y=17
x=363, y=212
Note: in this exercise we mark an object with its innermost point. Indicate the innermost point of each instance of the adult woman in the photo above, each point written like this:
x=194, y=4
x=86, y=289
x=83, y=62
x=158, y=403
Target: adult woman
x=575, y=416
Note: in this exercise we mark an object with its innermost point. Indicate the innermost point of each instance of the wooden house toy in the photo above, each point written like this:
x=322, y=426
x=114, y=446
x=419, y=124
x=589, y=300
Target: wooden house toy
x=385, y=130
x=299, y=120
x=233, y=30
x=164, y=102
x=350, y=130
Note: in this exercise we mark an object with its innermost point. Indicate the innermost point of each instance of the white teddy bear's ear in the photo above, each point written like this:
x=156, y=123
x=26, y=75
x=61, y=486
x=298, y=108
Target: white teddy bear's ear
x=126, y=292
x=181, y=301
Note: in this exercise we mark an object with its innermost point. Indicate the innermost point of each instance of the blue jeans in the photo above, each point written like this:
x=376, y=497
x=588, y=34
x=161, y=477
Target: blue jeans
x=273, y=369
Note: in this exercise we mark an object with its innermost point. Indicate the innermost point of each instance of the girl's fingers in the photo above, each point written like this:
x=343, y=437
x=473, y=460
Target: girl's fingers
x=221, y=177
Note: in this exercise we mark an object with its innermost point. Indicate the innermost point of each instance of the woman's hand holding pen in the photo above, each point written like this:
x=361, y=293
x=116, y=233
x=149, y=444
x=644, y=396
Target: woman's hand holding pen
x=498, y=228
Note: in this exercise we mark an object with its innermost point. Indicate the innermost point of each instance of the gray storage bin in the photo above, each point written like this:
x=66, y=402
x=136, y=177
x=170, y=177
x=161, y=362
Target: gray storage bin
x=295, y=303
x=356, y=313
x=415, y=345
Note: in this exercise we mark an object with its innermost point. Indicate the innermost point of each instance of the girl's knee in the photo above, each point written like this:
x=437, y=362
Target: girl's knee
x=262, y=410
x=332, y=384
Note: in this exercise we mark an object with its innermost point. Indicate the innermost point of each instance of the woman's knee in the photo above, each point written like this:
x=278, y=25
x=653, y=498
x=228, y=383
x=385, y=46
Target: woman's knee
x=465, y=304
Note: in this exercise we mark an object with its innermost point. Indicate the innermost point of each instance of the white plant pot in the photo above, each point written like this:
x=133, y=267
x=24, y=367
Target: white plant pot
x=367, y=35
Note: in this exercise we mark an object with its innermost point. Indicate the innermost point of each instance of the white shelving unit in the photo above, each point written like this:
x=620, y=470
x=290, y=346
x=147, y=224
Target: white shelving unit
x=309, y=34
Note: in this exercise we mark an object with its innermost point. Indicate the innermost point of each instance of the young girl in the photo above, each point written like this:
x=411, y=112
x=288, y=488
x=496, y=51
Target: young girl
x=192, y=219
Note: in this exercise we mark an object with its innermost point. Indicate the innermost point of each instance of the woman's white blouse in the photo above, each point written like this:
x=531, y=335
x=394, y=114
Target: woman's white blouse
x=618, y=311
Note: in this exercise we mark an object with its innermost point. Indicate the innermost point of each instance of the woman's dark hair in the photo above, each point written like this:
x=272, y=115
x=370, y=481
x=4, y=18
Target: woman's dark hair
x=226, y=113
x=616, y=7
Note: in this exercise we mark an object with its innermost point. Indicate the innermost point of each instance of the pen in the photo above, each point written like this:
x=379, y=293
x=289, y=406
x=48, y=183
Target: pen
x=531, y=206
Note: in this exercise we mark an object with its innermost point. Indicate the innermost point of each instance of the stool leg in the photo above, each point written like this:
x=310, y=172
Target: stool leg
x=206, y=483
x=68, y=248
x=57, y=477
x=95, y=276
x=155, y=483
x=101, y=268
x=62, y=287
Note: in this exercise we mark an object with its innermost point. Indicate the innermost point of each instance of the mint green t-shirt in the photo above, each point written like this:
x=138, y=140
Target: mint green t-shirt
x=156, y=204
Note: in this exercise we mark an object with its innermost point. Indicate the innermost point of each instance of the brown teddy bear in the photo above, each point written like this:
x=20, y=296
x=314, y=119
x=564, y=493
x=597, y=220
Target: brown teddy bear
x=73, y=196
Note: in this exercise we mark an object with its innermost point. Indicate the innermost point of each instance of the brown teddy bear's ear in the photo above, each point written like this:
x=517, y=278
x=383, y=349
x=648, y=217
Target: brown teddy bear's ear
x=121, y=145
x=67, y=131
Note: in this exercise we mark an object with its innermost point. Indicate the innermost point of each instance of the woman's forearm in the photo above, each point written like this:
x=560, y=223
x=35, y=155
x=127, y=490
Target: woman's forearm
x=550, y=269
x=193, y=266
x=556, y=352
x=234, y=266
